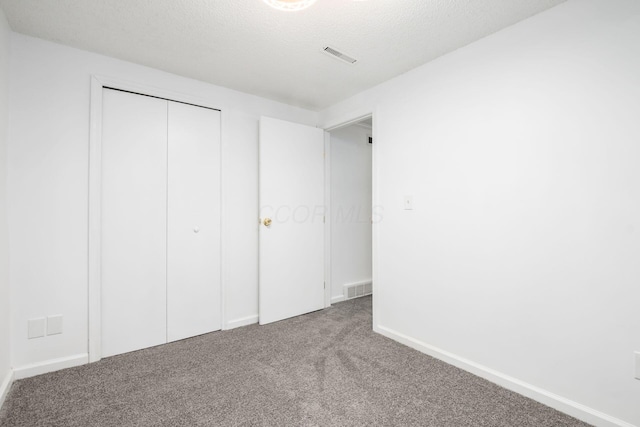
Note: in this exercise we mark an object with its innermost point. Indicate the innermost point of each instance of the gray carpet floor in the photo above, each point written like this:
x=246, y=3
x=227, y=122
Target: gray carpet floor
x=323, y=369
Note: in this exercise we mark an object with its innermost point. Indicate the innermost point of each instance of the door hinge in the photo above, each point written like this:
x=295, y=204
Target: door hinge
x=325, y=285
x=324, y=219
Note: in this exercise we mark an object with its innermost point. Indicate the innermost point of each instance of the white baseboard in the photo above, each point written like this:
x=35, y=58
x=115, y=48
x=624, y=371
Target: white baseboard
x=362, y=282
x=243, y=321
x=575, y=409
x=50, y=366
x=6, y=386
x=336, y=299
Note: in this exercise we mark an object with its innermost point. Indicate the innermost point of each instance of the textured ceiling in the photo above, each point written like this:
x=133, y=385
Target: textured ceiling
x=248, y=46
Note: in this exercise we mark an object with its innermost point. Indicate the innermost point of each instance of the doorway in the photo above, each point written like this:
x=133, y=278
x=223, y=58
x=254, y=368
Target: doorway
x=160, y=244
x=299, y=219
x=154, y=217
x=351, y=213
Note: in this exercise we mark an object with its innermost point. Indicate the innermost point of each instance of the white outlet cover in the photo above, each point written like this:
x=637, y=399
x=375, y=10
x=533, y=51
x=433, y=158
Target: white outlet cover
x=36, y=327
x=637, y=353
x=54, y=325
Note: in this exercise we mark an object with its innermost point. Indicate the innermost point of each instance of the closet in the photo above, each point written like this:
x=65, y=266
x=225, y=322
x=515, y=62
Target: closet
x=160, y=221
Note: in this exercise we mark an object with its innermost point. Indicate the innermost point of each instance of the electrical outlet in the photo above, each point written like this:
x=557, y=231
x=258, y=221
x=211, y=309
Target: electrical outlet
x=637, y=353
x=54, y=325
x=36, y=327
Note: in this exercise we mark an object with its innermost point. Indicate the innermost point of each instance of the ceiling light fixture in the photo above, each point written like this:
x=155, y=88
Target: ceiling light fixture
x=290, y=5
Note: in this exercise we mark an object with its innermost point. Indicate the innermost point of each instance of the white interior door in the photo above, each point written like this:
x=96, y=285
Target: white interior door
x=292, y=197
x=160, y=221
x=134, y=222
x=193, y=232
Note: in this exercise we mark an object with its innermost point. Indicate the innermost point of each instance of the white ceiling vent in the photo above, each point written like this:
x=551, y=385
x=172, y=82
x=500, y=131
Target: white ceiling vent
x=334, y=53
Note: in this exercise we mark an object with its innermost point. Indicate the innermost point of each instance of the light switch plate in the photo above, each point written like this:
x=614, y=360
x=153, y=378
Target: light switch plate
x=637, y=353
x=408, y=203
x=36, y=327
x=54, y=325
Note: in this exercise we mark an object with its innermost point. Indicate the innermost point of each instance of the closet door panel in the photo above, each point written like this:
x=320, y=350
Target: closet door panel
x=134, y=206
x=193, y=239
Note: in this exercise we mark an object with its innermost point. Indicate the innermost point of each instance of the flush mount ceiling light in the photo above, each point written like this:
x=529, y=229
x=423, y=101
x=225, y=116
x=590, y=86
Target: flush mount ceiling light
x=290, y=5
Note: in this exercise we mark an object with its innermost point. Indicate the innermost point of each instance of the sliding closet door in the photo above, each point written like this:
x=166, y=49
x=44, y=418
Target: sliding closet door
x=193, y=238
x=134, y=222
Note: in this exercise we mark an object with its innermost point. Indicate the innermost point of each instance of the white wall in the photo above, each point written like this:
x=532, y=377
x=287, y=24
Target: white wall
x=4, y=235
x=350, y=208
x=48, y=187
x=521, y=258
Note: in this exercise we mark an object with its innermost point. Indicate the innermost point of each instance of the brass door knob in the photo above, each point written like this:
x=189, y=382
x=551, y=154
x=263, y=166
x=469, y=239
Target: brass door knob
x=267, y=222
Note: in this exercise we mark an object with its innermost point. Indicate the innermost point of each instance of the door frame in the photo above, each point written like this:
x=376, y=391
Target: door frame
x=98, y=84
x=338, y=122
